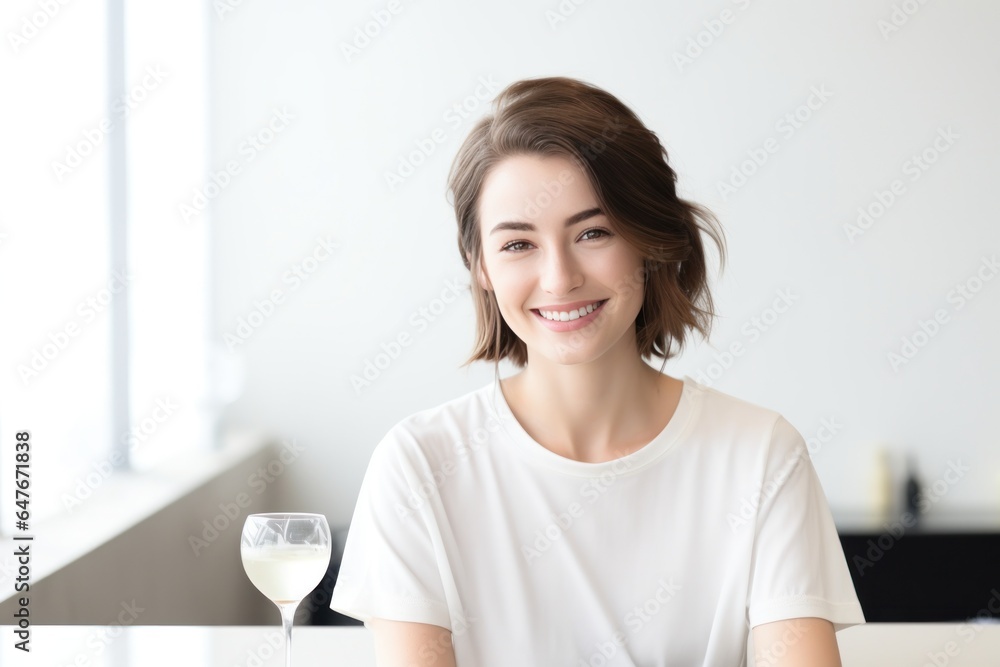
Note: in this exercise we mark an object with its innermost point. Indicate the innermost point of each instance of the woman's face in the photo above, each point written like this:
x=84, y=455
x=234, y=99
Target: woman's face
x=548, y=251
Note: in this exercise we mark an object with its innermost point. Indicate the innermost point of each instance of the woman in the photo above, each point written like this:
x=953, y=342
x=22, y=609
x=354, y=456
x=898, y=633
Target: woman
x=589, y=510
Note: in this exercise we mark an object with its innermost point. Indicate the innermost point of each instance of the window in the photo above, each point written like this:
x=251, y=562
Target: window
x=103, y=284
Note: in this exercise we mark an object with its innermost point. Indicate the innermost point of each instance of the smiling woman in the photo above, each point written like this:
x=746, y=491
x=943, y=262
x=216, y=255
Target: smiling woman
x=579, y=512
x=532, y=271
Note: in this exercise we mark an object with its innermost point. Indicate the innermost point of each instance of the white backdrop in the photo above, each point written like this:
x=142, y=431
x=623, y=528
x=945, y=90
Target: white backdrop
x=849, y=150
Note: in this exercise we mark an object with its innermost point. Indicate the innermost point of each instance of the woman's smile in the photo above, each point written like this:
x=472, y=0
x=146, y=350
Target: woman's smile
x=569, y=319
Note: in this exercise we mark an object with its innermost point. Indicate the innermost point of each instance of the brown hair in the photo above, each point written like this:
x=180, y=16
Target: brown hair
x=634, y=185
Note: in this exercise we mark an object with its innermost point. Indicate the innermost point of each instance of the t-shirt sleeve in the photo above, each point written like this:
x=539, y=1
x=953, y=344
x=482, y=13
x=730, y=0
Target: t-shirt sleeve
x=798, y=567
x=389, y=568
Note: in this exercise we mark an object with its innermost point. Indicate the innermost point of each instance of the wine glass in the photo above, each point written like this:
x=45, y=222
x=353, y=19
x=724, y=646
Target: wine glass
x=285, y=556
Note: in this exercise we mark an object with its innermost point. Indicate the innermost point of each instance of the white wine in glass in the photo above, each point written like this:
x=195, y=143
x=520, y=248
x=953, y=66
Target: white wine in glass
x=286, y=556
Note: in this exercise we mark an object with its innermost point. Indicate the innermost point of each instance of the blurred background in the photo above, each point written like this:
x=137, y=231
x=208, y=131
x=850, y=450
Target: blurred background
x=228, y=264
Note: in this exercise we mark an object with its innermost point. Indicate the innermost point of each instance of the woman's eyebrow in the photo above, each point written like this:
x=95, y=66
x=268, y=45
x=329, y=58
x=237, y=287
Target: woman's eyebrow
x=528, y=227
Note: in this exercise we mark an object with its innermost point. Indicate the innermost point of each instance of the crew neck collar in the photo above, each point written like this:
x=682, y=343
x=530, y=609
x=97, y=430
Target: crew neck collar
x=538, y=455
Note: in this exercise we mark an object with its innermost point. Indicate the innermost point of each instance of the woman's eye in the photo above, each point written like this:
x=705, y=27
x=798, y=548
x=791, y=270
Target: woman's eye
x=521, y=246
x=600, y=232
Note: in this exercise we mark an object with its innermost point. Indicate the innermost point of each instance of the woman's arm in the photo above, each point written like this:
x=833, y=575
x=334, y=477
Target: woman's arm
x=796, y=642
x=405, y=644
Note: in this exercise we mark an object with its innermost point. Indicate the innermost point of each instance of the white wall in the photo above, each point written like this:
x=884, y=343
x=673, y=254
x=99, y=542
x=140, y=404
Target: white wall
x=825, y=358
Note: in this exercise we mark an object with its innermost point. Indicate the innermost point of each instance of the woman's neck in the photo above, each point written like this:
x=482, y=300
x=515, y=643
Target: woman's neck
x=593, y=412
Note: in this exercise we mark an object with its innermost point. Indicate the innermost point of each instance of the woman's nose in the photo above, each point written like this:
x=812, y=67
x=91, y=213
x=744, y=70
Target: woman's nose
x=560, y=272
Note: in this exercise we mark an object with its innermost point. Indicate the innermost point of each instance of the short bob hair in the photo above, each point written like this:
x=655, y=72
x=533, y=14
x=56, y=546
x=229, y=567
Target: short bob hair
x=634, y=185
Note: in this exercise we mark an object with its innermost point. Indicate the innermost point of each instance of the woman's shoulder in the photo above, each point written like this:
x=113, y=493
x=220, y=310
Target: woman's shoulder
x=436, y=431
x=467, y=410
x=738, y=419
x=723, y=407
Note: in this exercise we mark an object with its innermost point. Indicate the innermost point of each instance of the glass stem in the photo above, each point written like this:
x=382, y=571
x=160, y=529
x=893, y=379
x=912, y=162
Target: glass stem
x=287, y=610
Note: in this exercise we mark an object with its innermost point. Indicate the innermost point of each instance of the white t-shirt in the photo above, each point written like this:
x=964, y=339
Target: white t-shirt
x=666, y=556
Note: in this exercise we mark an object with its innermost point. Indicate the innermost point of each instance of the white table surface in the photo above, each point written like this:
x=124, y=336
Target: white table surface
x=869, y=645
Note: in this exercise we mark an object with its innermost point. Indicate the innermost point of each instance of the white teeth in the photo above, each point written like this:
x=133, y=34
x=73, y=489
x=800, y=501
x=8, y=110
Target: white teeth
x=561, y=316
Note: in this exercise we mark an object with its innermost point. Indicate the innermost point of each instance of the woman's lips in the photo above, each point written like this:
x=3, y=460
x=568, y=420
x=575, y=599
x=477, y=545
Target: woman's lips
x=570, y=325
